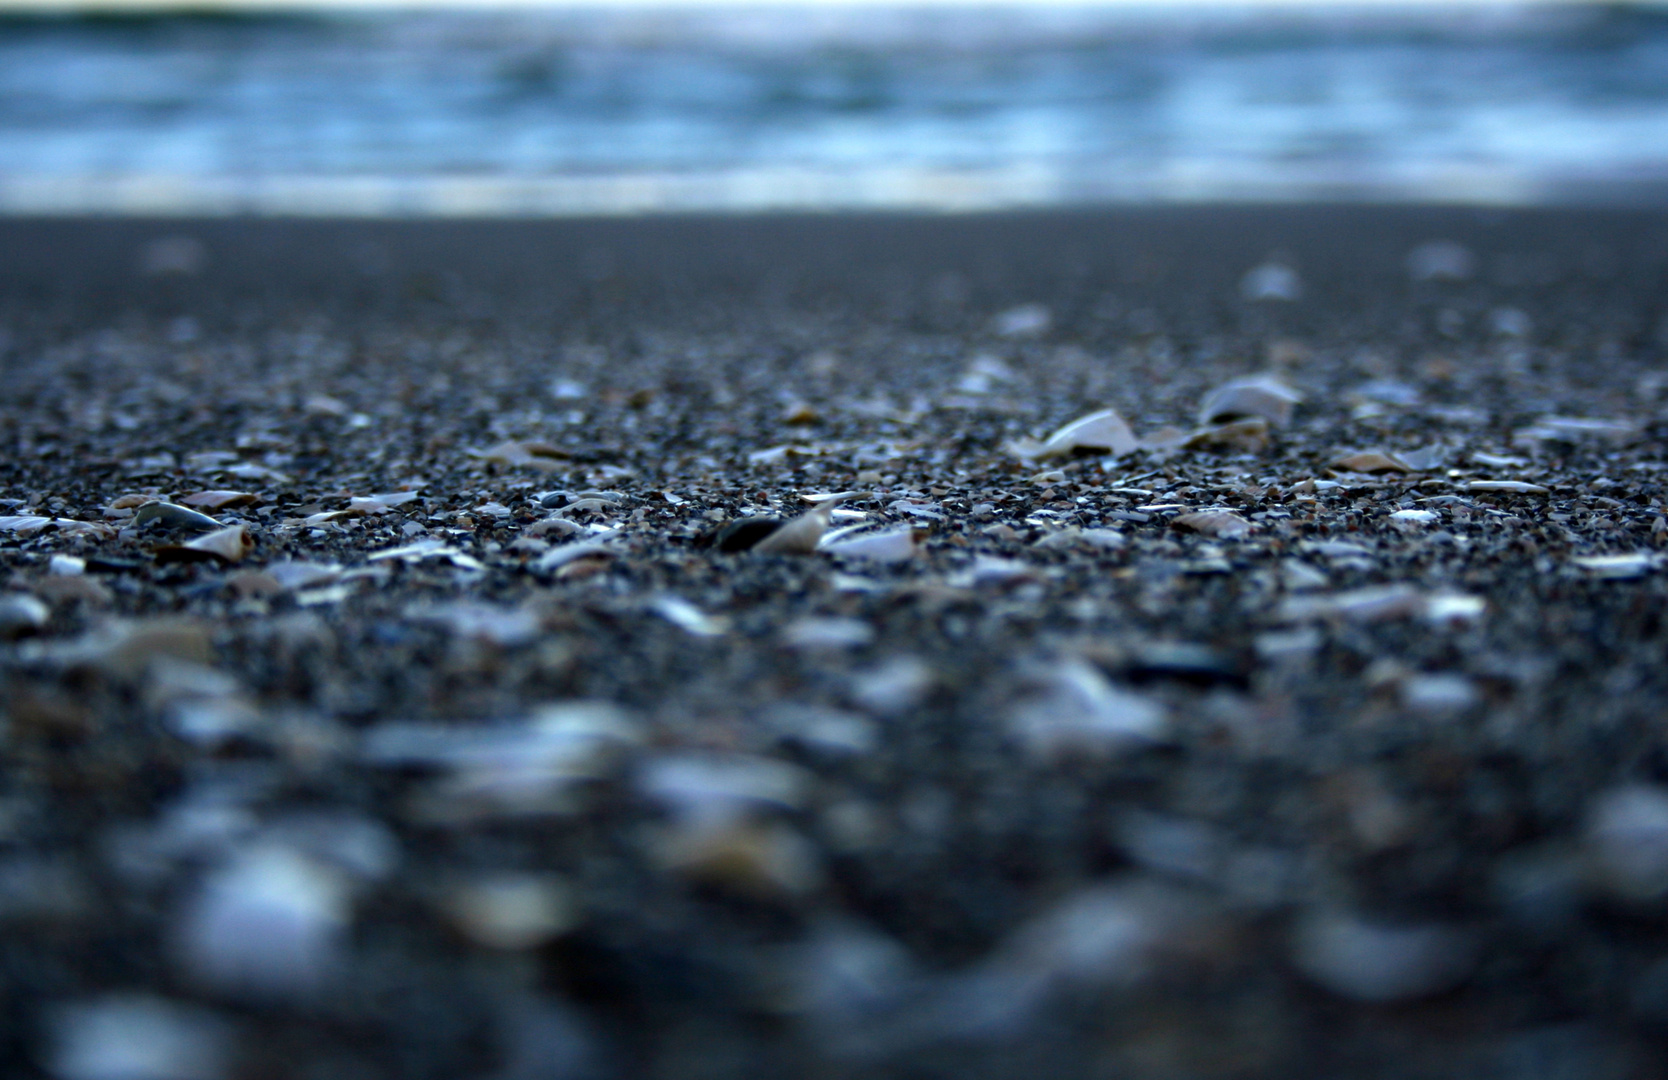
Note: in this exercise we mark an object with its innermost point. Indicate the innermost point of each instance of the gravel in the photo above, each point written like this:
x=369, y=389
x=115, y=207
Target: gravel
x=691, y=648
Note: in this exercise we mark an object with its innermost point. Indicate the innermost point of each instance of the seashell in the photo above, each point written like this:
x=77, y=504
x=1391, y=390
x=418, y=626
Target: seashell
x=1076, y=711
x=1219, y=523
x=1507, y=487
x=511, y=911
x=1617, y=567
x=21, y=614
x=1101, y=432
x=1026, y=320
x=1372, y=461
x=174, y=516
x=215, y=500
x=1248, y=436
x=890, y=546
x=1257, y=396
x=799, y=536
x=230, y=544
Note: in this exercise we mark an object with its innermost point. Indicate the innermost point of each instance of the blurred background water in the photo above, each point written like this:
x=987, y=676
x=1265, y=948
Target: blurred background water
x=619, y=110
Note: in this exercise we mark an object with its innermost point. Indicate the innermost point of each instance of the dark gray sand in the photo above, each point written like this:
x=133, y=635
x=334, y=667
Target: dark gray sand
x=468, y=756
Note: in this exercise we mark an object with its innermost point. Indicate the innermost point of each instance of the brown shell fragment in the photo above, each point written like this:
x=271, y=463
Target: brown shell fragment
x=1373, y=461
x=218, y=500
x=1246, y=436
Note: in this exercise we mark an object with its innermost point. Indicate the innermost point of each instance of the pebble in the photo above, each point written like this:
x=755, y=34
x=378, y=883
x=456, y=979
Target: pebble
x=137, y=1037
x=269, y=924
x=21, y=614
x=1370, y=961
x=1440, y=693
x=1441, y=260
x=1625, y=843
x=511, y=911
x=1271, y=281
x=1075, y=710
x=1024, y=321
x=174, y=517
x=827, y=633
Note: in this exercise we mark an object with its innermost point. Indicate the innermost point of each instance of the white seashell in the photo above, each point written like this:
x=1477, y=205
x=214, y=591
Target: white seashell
x=1258, y=395
x=1100, y=431
x=891, y=546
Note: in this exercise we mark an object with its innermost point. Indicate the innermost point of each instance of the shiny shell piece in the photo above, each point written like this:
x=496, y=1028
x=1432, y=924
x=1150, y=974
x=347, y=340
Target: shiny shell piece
x=1259, y=395
x=890, y=546
x=1248, y=436
x=174, y=517
x=1102, y=432
x=799, y=536
x=1219, y=523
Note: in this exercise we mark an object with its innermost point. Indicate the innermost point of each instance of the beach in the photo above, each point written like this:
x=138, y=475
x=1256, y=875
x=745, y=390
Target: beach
x=387, y=688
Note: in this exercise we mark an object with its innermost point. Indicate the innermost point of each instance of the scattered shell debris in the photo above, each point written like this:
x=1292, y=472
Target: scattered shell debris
x=1139, y=666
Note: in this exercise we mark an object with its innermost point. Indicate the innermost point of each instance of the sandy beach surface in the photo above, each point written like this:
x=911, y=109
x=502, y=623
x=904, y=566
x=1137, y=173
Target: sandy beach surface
x=433, y=649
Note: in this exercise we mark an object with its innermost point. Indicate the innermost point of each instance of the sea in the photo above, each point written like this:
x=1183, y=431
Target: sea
x=628, y=110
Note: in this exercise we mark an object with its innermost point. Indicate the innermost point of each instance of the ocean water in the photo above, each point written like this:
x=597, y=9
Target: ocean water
x=638, y=110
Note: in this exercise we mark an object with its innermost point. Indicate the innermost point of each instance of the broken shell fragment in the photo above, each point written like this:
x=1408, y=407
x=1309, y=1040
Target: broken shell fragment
x=801, y=535
x=1219, y=523
x=1617, y=567
x=1100, y=432
x=1248, y=436
x=21, y=614
x=890, y=546
x=173, y=516
x=1372, y=461
x=217, y=500
x=1077, y=711
x=1257, y=396
x=1507, y=487
x=228, y=545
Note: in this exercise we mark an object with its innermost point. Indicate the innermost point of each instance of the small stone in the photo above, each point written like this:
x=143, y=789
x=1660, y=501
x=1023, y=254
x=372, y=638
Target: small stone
x=1026, y=320
x=271, y=923
x=1440, y=693
x=1379, y=962
x=511, y=911
x=1440, y=260
x=21, y=614
x=827, y=633
x=799, y=536
x=1076, y=711
x=1273, y=280
x=895, y=687
x=1506, y=487
x=137, y=1037
x=1619, y=567
x=1625, y=843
